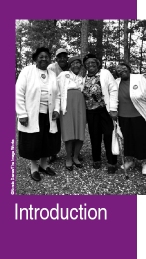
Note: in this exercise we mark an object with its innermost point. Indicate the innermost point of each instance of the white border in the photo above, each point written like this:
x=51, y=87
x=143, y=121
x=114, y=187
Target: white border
x=141, y=9
x=141, y=200
x=141, y=226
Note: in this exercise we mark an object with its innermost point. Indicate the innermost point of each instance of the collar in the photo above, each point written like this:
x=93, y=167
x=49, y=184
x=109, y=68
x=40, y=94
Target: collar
x=93, y=75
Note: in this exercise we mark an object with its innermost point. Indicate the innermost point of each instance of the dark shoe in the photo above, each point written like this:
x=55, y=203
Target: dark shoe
x=48, y=171
x=35, y=176
x=52, y=159
x=69, y=168
x=112, y=169
x=78, y=165
x=80, y=158
x=96, y=165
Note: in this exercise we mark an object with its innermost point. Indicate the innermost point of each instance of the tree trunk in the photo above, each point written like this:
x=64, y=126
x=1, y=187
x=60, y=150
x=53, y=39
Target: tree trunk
x=99, y=46
x=141, y=51
x=119, y=41
x=129, y=46
x=84, y=38
x=84, y=43
x=126, y=51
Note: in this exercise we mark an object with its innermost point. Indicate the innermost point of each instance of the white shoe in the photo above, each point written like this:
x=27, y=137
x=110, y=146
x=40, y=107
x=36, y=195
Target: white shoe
x=128, y=165
x=144, y=169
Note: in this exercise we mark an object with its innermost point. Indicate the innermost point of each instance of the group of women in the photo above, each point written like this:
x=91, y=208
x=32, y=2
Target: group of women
x=96, y=99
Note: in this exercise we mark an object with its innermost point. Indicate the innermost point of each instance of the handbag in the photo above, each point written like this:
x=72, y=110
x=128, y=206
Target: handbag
x=115, y=142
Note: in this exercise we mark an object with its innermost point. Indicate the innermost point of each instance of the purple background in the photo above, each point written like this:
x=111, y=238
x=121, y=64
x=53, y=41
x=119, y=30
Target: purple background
x=114, y=238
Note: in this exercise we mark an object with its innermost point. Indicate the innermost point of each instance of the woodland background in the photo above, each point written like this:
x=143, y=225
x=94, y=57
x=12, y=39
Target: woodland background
x=111, y=40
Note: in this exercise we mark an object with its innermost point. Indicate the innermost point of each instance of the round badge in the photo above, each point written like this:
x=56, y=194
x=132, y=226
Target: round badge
x=43, y=76
x=67, y=76
x=135, y=87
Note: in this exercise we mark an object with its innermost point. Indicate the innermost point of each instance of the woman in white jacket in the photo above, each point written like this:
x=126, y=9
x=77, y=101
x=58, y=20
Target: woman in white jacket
x=101, y=97
x=37, y=108
x=132, y=114
x=73, y=114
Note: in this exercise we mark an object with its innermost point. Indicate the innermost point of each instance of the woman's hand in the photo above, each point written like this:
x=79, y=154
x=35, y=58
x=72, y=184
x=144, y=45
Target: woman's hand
x=113, y=114
x=24, y=121
x=55, y=115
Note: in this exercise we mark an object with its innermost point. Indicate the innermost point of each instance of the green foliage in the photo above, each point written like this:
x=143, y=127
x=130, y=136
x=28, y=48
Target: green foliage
x=105, y=38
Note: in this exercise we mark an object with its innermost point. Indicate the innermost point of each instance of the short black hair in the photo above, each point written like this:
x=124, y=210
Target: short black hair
x=38, y=51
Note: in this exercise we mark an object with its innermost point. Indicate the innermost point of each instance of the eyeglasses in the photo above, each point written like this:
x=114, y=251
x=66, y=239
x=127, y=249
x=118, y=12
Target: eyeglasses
x=75, y=63
x=90, y=63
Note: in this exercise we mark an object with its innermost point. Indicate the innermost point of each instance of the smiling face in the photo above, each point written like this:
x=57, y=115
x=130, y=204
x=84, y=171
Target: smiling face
x=42, y=60
x=123, y=72
x=75, y=66
x=91, y=66
x=62, y=59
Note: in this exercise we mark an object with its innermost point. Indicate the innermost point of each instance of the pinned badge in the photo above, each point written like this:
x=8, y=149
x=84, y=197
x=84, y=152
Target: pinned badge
x=135, y=87
x=67, y=76
x=43, y=76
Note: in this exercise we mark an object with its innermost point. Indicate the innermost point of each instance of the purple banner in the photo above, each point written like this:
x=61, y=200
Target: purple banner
x=111, y=236
x=76, y=10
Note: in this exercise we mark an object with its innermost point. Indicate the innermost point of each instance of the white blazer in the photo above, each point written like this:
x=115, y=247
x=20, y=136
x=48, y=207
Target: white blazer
x=109, y=90
x=28, y=93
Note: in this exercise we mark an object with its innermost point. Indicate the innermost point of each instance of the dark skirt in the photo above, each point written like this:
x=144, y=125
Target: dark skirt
x=73, y=123
x=134, y=133
x=34, y=146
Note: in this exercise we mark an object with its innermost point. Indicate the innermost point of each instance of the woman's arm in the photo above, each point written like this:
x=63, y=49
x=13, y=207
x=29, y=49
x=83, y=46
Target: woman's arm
x=113, y=92
x=20, y=95
x=57, y=98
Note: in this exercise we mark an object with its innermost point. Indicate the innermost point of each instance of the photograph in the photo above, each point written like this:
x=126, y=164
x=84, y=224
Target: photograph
x=80, y=100
x=73, y=136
